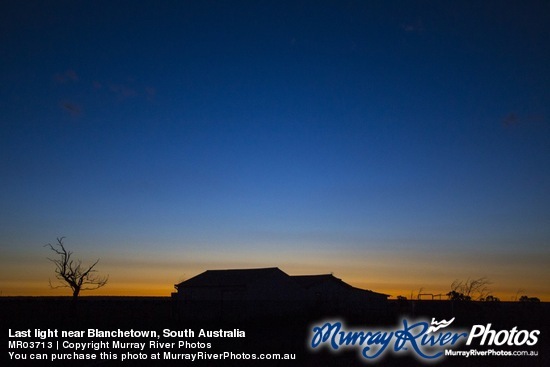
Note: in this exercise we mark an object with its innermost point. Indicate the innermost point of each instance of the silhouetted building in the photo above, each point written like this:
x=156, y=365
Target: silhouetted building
x=334, y=295
x=239, y=294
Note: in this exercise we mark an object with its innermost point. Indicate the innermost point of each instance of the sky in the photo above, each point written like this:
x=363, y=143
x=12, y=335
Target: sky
x=399, y=145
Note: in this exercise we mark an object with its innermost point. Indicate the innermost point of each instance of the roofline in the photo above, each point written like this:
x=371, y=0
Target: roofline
x=245, y=269
x=291, y=276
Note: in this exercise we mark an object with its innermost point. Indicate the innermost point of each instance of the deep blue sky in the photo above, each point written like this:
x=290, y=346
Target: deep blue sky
x=369, y=139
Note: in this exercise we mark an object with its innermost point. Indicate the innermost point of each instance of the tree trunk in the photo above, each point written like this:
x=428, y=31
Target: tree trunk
x=76, y=291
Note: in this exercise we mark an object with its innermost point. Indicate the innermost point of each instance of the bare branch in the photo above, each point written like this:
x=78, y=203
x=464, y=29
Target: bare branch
x=477, y=289
x=71, y=273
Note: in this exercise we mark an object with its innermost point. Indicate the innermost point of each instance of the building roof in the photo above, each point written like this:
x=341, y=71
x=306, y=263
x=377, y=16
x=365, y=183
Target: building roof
x=243, y=277
x=308, y=281
x=231, y=277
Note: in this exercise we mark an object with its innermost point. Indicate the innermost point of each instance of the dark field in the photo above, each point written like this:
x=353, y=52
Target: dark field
x=280, y=334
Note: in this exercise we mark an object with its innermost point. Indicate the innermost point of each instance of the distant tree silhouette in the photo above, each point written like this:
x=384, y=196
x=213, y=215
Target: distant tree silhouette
x=476, y=289
x=490, y=298
x=457, y=296
x=516, y=297
x=529, y=299
x=71, y=273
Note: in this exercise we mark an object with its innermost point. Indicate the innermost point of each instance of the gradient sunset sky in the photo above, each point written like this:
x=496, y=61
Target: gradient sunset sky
x=396, y=144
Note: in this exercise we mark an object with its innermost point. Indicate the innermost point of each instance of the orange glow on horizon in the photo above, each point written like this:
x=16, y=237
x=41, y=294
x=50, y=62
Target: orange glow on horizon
x=40, y=289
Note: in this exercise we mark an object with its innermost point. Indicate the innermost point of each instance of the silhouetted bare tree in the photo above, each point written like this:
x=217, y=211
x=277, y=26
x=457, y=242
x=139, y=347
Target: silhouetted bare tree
x=476, y=289
x=72, y=274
